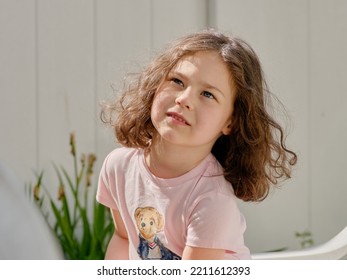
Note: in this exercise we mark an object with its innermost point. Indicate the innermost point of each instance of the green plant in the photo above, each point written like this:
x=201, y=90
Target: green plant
x=305, y=238
x=82, y=234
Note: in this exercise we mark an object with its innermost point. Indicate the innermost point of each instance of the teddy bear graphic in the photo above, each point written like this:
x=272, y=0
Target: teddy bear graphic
x=150, y=222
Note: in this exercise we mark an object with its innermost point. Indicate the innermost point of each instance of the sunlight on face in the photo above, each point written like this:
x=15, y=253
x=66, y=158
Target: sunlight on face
x=194, y=104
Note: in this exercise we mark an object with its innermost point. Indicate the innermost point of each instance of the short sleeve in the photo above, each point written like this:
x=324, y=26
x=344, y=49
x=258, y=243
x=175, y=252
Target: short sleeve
x=216, y=222
x=104, y=193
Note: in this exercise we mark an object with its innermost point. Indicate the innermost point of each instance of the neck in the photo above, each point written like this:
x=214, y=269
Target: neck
x=169, y=161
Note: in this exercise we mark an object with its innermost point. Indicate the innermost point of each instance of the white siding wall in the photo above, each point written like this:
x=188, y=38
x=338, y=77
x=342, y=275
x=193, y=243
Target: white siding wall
x=59, y=58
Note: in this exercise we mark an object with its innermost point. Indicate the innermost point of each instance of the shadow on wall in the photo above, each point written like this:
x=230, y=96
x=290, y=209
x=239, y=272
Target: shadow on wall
x=24, y=234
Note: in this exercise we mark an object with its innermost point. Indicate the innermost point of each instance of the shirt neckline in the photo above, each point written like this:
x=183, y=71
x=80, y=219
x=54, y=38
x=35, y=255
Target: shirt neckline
x=176, y=181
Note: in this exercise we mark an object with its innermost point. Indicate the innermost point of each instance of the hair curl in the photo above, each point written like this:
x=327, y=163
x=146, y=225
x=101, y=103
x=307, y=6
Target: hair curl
x=254, y=156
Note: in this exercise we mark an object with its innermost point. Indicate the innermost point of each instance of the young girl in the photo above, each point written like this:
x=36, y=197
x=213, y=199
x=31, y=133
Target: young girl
x=196, y=136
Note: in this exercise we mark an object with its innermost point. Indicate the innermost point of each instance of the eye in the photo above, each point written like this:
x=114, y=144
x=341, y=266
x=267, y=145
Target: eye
x=208, y=94
x=151, y=223
x=177, y=81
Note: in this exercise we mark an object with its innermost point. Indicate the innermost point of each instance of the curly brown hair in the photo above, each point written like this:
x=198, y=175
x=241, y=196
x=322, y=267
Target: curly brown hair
x=254, y=156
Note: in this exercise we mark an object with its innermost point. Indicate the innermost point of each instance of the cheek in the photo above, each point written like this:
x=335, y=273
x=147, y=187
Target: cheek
x=155, y=113
x=216, y=123
x=159, y=105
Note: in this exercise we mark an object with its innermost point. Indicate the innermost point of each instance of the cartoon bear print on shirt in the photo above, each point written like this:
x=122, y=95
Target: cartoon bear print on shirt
x=150, y=222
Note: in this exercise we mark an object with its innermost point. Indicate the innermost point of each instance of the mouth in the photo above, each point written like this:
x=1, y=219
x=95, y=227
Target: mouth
x=177, y=117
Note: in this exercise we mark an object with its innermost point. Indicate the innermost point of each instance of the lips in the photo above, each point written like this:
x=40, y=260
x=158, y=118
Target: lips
x=178, y=118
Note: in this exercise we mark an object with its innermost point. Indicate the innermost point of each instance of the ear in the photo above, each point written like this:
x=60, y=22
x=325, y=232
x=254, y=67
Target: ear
x=227, y=129
x=137, y=212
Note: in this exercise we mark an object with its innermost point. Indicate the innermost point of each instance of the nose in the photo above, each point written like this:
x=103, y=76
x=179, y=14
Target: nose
x=185, y=99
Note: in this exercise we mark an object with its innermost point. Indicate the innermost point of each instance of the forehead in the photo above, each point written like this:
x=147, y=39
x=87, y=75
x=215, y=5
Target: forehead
x=201, y=57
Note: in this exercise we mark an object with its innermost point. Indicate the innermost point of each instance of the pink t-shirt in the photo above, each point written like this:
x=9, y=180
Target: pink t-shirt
x=162, y=216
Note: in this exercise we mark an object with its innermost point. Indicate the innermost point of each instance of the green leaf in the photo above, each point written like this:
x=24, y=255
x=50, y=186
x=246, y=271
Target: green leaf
x=66, y=212
x=70, y=214
x=62, y=225
x=99, y=219
x=71, y=185
x=86, y=237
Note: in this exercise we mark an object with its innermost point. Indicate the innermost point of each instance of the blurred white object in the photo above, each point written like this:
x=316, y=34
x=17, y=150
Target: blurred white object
x=334, y=249
x=24, y=234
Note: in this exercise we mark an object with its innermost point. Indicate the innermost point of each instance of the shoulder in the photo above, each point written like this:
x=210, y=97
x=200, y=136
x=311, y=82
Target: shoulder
x=118, y=164
x=121, y=153
x=213, y=167
x=214, y=181
x=120, y=158
x=214, y=196
x=213, y=191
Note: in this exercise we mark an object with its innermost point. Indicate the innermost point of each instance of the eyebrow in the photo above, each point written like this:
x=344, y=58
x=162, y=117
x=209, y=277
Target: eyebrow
x=205, y=85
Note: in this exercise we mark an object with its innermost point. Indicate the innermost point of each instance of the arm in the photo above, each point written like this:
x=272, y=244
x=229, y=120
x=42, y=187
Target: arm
x=196, y=253
x=118, y=247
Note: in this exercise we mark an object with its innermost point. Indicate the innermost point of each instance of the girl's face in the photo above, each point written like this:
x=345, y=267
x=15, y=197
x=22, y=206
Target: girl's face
x=193, y=105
